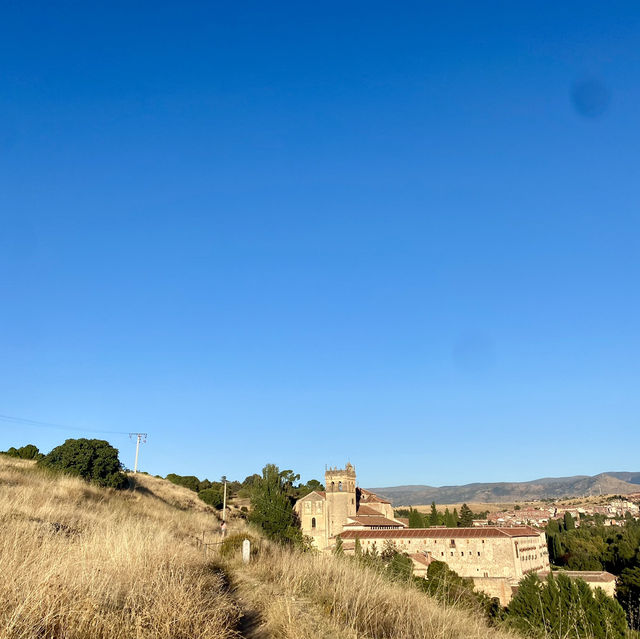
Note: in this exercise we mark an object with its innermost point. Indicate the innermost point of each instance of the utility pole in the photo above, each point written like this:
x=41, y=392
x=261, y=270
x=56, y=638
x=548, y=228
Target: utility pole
x=224, y=499
x=140, y=437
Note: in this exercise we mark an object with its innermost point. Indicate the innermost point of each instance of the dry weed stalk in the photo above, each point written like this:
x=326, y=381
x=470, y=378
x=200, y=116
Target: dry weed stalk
x=79, y=561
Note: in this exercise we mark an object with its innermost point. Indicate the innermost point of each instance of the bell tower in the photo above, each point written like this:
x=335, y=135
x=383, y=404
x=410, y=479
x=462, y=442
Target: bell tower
x=341, y=497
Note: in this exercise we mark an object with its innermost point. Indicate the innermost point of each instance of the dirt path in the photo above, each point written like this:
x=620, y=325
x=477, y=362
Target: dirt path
x=251, y=625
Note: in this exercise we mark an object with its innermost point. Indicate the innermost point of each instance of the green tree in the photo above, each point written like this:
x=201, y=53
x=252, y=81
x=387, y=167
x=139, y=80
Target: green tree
x=357, y=550
x=273, y=506
x=212, y=496
x=25, y=452
x=561, y=608
x=628, y=595
x=389, y=550
x=338, y=548
x=415, y=519
x=309, y=487
x=466, y=516
x=555, y=548
x=449, y=520
x=188, y=481
x=400, y=567
x=569, y=524
x=92, y=459
x=434, y=519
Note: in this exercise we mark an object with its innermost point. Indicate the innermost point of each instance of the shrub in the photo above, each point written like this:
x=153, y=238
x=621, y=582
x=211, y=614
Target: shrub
x=232, y=545
x=92, y=459
x=24, y=452
x=188, y=481
x=212, y=497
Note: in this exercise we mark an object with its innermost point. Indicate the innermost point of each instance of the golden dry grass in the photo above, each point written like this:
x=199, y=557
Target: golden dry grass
x=307, y=595
x=79, y=562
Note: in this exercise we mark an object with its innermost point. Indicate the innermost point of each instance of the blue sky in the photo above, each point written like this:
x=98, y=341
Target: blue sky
x=296, y=233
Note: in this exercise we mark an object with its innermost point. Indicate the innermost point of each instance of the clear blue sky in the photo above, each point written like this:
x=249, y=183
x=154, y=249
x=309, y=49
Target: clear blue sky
x=401, y=234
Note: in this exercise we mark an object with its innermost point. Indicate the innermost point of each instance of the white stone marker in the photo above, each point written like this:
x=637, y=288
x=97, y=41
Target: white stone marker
x=246, y=551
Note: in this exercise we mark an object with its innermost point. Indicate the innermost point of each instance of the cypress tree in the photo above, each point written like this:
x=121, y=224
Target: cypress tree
x=569, y=524
x=466, y=516
x=433, y=516
x=449, y=521
x=415, y=519
x=358, y=548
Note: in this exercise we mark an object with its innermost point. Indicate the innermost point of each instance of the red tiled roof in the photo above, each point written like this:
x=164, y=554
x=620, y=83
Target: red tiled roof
x=370, y=520
x=367, y=495
x=599, y=576
x=420, y=558
x=367, y=510
x=443, y=533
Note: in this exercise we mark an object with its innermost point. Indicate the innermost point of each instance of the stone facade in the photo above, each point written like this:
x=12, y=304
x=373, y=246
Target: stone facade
x=342, y=506
x=496, y=558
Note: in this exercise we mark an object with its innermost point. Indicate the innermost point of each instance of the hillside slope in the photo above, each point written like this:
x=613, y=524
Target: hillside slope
x=77, y=561
x=544, y=488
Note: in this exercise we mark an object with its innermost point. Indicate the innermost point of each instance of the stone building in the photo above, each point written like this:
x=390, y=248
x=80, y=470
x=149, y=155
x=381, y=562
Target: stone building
x=495, y=558
x=343, y=506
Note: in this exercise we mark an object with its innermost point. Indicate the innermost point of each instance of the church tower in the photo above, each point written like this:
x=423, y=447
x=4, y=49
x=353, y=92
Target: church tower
x=341, y=497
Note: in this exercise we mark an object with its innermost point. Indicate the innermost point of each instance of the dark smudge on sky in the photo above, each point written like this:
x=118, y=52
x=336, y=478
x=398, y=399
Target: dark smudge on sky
x=590, y=97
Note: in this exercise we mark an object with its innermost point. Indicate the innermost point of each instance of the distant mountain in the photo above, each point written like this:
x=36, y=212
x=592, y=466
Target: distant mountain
x=619, y=483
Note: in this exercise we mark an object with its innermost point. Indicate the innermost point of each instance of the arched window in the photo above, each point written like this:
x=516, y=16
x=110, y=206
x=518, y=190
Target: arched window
x=333, y=486
x=313, y=522
x=340, y=485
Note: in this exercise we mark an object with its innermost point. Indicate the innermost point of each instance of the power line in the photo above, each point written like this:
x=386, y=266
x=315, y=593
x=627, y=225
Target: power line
x=38, y=424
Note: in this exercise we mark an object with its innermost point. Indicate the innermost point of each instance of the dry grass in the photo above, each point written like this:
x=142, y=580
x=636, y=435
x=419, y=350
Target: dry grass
x=303, y=596
x=79, y=561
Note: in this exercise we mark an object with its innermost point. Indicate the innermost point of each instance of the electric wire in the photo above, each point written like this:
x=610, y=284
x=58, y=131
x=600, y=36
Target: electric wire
x=10, y=419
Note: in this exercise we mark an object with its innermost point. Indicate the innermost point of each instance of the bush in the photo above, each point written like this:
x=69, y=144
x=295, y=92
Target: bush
x=25, y=452
x=188, y=481
x=212, y=497
x=92, y=459
x=232, y=545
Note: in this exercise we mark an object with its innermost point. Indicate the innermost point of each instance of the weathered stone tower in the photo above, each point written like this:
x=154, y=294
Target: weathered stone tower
x=341, y=497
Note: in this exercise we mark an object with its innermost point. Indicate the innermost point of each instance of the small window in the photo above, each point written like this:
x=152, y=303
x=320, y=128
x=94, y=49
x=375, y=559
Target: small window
x=313, y=522
x=442, y=554
x=462, y=553
x=478, y=553
x=452, y=554
x=340, y=486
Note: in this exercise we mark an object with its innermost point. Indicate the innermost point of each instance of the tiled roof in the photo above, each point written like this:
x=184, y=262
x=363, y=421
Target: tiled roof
x=367, y=495
x=367, y=510
x=370, y=520
x=420, y=558
x=588, y=575
x=443, y=533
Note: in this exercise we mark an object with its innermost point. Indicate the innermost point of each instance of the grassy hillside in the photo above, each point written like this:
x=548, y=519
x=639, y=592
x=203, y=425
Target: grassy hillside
x=80, y=562
x=77, y=561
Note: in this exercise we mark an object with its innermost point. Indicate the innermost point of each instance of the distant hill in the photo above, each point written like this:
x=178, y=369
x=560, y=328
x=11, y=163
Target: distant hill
x=546, y=488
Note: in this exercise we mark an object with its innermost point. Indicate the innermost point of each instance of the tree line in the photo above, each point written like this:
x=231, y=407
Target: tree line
x=437, y=518
x=594, y=546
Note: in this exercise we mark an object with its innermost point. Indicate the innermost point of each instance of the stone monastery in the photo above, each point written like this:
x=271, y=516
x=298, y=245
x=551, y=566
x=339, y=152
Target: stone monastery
x=495, y=558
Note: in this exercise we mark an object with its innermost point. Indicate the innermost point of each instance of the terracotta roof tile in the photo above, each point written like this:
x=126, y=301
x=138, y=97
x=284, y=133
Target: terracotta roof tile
x=370, y=520
x=443, y=533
